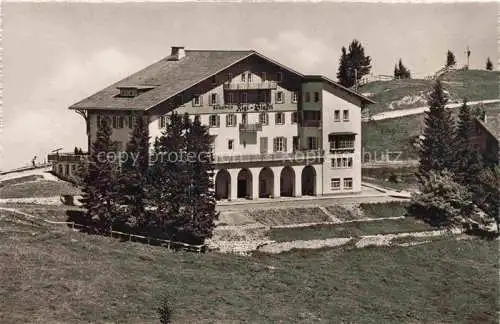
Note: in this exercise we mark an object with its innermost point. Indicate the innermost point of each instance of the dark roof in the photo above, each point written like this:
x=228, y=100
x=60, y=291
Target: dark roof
x=167, y=78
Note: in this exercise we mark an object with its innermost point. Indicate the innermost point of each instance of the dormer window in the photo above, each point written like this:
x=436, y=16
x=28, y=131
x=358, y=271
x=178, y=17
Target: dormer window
x=133, y=91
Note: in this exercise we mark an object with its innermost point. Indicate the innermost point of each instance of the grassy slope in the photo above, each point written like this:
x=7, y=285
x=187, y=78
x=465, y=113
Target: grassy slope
x=472, y=84
x=74, y=278
x=356, y=229
x=42, y=188
x=394, y=134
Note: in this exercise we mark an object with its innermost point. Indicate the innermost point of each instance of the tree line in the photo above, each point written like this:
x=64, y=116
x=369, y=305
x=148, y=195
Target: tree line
x=160, y=194
x=458, y=182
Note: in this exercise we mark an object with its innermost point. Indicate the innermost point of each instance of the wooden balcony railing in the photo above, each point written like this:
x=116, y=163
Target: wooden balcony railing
x=279, y=156
x=250, y=127
x=250, y=85
x=65, y=157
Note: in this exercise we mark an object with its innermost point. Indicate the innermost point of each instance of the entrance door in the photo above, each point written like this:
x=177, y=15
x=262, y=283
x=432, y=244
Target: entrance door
x=263, y=145
x=242, y=188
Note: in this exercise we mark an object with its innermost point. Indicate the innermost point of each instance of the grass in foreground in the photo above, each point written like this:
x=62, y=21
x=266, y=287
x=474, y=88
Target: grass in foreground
x=71, y=277
x=320, y=232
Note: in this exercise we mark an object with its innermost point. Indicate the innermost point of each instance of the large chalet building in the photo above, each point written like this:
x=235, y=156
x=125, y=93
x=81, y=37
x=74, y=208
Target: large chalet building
x=275, y=131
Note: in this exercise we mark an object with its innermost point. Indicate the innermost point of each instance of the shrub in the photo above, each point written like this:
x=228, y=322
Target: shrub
x=165, y=312
x=442, y=202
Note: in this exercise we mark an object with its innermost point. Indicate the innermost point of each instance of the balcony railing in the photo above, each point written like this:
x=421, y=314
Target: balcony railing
x=250, y=85
x=65, y=157
x=257, y=127
x=280, y=156
x=310, y=123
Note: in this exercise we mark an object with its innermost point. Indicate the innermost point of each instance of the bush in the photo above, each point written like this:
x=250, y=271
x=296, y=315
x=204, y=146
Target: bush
x=442, y=202
x=165, y=312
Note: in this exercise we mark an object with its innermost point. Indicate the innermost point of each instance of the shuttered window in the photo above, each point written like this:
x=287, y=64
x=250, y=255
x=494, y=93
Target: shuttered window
x=279, y=144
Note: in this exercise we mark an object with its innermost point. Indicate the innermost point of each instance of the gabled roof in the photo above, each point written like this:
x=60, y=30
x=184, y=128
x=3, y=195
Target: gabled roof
x=166, y=78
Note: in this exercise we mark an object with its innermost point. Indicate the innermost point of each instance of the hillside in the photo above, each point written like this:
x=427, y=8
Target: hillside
x=396, y=134
x=403, y=94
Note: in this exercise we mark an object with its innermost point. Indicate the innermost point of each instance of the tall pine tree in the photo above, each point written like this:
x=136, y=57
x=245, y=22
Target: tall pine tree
x=468, y=160
x=437, y=146
x=353, y=65
x=404, y=73
x=133, y=176
x=99, y=182
x=201, y=195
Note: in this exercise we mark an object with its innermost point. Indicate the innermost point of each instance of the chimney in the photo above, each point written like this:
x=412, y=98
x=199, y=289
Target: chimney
x=177, y=53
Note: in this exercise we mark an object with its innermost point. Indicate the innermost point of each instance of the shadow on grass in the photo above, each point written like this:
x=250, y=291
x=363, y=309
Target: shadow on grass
x=128, y=234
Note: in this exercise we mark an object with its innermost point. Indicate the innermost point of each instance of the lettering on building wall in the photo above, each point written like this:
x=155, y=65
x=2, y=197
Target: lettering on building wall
x=245, y=107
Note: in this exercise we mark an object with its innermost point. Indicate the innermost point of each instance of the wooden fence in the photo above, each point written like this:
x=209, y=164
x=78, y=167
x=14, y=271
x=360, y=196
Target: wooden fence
x=128, y=236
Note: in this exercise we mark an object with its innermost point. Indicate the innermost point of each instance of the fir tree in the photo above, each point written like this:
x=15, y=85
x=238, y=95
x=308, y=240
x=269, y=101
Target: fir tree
x=488, y=201
x=343, y=75
x=133, y=176
x=168, y=178
x=437, y=146
x=353, y=65
x=99, y=182
x=397, y=74
x=450, y=59
x=468, y=160
x=404, y=73
x=489, y=65
x=201, y=196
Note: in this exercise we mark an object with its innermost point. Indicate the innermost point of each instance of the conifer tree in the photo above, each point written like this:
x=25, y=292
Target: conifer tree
x=468, y=160
x=437, y=146
x=404, y=73
x=450, y=59
x=489, y=65
x=99, y=182
x=167, y=183
x=343, y=75
x=397, y=74
x=133, y=176
x=201, y=197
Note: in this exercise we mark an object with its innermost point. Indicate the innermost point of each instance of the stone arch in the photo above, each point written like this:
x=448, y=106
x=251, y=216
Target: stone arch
x=308, y=181
x=244, y=184
x=287, y=182
x=266, y=183
x=222, y=184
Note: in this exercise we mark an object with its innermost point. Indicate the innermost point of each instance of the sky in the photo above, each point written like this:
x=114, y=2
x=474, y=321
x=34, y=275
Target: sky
x=55, y=54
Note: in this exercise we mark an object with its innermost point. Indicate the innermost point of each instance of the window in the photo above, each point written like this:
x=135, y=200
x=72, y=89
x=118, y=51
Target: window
x=312, y=143
x=213, y=79
x=279, y=144
x=294, y=117
x=231, y=120
x=264, y=97
x=279, y=118
x=230, y=144
x=264, y=118
x=249, y=78
x=244, y=118
x=348, y=183
x=295, y=143
x=346, y=115
x=316, y=97
x=73, y=167
x=162, y=121
x=279, y=97
x=295, y=97
x=229, y=77
x=230, y=98
x=213, y=99
x=243, y=97
x=335, y=183
x=336, y=116
x=279, y=76
x=263, y=76
x=307, y=97
x=341, y=142
x=243, y=77
x=214, y=121
x=198, y=100
x=131, y=121
x=345, y=162
x=118, y=122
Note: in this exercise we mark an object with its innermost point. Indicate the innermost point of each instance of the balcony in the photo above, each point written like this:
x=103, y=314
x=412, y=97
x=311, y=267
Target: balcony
x=66, y=157
x=271, y=85
x=251, y=128
x=297, y=156
x=310, y=123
